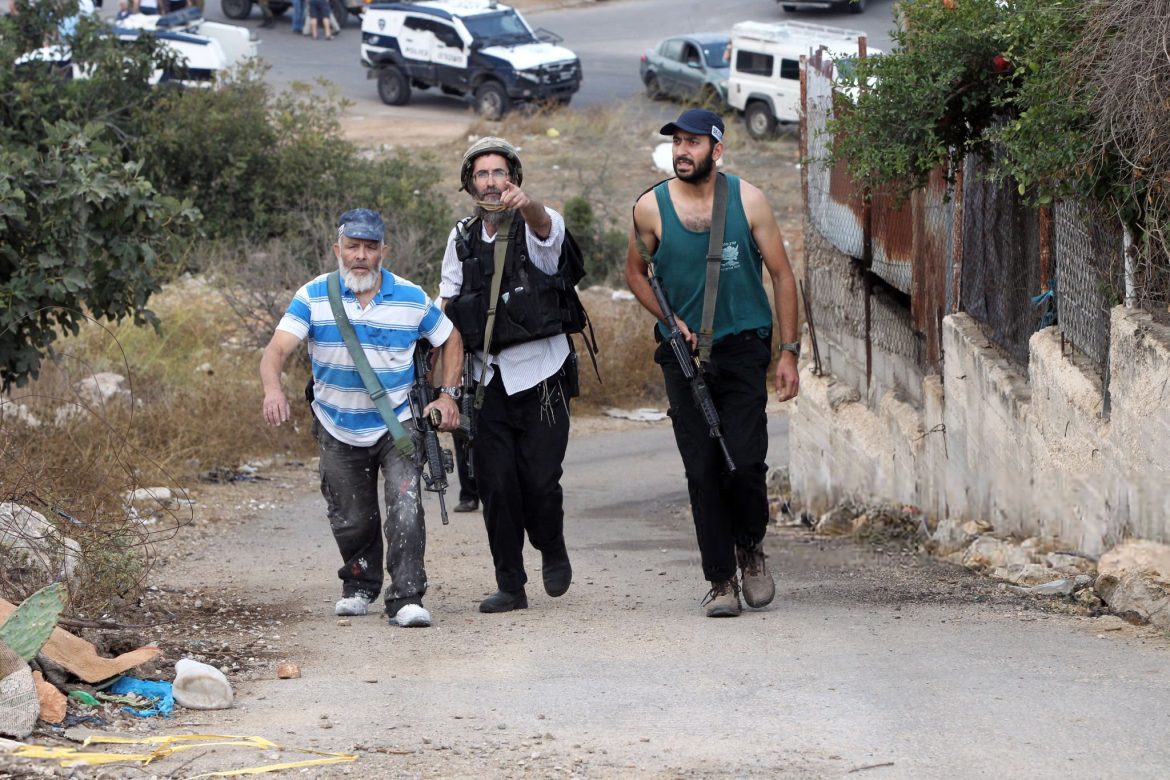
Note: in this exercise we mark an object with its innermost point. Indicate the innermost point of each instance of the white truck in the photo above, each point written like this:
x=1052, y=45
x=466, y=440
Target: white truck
x=206, y=50
x=764, y=82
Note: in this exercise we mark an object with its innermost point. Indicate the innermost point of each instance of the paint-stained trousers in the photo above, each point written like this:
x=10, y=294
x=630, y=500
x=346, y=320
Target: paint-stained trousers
x=728, y=509
x=520, y=443
x=349, y=483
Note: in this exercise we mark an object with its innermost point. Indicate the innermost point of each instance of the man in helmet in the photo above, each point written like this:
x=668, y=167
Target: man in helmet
x=526, y=364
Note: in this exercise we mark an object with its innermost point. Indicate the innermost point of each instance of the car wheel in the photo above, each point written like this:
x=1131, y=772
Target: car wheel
x=393, y=87
x=491, y=101
x=857, y=7
x=340, y=12
x=759, y=120
x=236, y=9
x=653, y=88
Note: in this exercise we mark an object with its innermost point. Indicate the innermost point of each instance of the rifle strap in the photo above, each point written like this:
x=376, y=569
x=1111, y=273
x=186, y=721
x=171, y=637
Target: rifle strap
x=500, y=254
x=714, y=261
x=402, y=440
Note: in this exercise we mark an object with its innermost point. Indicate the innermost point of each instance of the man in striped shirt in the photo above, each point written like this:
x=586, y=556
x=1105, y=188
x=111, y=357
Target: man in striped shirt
x=389, y=315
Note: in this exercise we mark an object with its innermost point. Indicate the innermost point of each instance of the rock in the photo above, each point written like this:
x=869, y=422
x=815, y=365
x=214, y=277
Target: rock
x=28, y=539
x=20, y=413
x=19, y=705
x=778, y=481
x=1028, y=574
x=1063, y=587
x=152, y=495
x=1135, y=577
x=288, y=671
x=199, y=686
x=1070, y=565
x=987, y=552
x=836, y=522
x=977, y=527
x=1088, y=597
x=52, y=702
x=951, y=536
x=839, y=394
x=102, y=387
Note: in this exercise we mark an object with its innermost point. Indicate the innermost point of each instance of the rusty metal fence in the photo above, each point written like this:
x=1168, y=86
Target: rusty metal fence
x=961, y=243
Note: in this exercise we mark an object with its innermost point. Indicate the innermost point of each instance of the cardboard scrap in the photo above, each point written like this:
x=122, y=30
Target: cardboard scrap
x=81, y=657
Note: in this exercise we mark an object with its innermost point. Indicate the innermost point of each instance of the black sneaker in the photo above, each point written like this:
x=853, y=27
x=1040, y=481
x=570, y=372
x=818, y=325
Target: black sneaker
x=504, y=601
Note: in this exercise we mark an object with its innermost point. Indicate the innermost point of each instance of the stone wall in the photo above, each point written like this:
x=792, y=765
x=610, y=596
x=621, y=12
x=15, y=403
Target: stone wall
x=1032, y=453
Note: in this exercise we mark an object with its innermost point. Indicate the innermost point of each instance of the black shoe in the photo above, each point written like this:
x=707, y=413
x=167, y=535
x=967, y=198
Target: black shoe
x=467, y=505
x=557, y=573
x=268, y=22
x=504, y=601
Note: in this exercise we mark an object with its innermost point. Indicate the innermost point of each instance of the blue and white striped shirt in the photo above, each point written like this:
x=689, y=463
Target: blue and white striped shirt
x=399, y=314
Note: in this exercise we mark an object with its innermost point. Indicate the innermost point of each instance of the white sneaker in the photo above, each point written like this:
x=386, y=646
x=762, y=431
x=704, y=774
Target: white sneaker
x=412, y=616
x=357, y=604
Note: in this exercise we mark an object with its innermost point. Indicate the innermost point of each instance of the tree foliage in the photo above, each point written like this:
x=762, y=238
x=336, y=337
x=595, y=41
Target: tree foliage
x=108, y=184
x=81, y=229
x=969, y=76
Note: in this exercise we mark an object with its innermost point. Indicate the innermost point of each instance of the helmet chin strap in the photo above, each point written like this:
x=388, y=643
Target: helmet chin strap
x=490, y=206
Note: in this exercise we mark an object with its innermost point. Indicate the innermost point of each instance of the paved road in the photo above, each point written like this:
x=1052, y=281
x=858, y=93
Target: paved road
x=869, y=659
x=609, y=37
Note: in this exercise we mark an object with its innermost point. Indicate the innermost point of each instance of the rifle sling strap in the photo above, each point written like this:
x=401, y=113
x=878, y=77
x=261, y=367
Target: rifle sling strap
x=714, y=260
x=499, y=254
x=402, y=440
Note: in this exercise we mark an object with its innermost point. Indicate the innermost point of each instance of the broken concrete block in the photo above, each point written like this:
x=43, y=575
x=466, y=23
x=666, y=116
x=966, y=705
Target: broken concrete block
x=1135, y=577
x=52, y=701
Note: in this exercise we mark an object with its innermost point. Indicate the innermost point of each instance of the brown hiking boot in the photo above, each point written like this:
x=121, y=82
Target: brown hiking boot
x=758, y=586
x=723, y=599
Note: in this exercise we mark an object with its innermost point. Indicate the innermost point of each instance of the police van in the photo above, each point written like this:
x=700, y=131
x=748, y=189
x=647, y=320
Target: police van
x=480, y=50
x=764, y=82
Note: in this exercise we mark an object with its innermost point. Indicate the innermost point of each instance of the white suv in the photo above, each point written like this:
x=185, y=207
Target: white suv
x=764, y=82
x=477, y=49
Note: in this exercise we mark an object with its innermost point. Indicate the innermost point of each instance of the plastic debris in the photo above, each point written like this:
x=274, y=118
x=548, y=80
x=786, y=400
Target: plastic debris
x=160, y=695
x=70, y=757
x=85, y=697
x=199, y=686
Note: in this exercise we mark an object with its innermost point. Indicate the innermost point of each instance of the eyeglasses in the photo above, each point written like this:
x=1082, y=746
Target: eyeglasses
x=499, y=174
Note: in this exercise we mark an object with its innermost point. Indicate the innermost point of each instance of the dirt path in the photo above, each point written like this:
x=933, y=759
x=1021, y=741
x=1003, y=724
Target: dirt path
x=869, y=658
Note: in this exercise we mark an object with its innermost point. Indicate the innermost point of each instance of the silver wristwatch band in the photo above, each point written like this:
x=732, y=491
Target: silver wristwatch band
x=791, y=346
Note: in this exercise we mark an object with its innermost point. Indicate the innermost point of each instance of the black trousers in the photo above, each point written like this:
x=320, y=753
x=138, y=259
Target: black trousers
x=728, y=509
x=520, y=443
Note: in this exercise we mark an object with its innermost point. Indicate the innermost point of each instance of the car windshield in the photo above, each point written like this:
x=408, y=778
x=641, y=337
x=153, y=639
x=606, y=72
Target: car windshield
x=505, y=27
x=718, y=54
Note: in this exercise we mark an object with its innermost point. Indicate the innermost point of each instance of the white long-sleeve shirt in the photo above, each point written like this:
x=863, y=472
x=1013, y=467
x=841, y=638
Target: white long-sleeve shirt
x=526, y=365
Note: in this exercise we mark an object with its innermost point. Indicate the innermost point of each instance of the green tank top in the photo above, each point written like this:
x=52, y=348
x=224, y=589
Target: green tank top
x=681, y=262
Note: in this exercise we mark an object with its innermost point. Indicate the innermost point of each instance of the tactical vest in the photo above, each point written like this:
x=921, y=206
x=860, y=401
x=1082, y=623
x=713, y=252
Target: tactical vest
x=533, y=304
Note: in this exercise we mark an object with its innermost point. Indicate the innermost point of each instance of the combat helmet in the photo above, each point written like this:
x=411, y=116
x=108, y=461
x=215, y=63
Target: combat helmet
x=490, y=144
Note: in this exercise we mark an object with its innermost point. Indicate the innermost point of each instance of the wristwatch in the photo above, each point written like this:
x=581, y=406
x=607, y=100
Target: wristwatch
x=455, y=392
x=791, y=346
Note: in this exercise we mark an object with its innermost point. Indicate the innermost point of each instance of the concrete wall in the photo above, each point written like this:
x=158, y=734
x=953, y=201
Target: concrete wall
x=1031, y=453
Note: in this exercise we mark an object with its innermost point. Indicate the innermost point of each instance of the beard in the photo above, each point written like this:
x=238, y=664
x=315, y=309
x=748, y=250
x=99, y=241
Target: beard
x=361, y=284
x=700, y=171
x=489, y=217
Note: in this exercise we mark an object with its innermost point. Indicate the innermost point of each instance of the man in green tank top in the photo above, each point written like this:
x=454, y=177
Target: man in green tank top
x=673, y=223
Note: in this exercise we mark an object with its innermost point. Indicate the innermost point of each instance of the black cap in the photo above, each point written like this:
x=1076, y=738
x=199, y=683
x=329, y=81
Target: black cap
x=699, y=121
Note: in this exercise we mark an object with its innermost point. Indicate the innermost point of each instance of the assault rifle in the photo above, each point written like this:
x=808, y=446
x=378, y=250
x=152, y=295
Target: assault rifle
x=467, y=409
x=692, y=372
x=436, y=462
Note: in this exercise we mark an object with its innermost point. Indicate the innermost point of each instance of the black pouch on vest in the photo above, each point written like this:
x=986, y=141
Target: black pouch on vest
x=309, y=395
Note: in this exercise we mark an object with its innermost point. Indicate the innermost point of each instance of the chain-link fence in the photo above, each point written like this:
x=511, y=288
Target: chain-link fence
x=1085, y=251
x=1001, y=260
